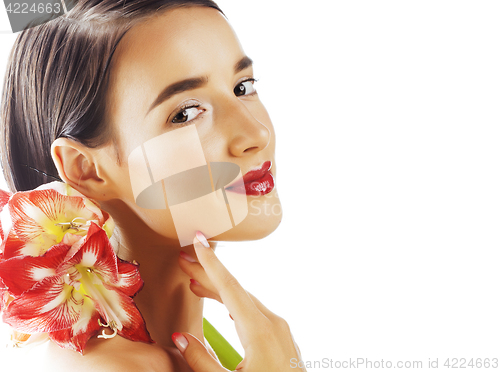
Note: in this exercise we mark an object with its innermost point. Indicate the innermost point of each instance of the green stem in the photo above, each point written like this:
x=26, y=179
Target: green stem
x=228, y=357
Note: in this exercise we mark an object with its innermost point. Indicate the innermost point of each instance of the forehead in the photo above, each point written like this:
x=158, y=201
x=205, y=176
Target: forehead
x=177, y=44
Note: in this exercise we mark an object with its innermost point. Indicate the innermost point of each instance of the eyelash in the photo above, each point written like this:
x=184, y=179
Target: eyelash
x=180, y=110
x=248, y=79
x=253, y=82
x=188, y=106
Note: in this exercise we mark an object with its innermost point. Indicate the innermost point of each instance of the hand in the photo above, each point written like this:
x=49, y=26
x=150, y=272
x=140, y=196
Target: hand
x=265, y=337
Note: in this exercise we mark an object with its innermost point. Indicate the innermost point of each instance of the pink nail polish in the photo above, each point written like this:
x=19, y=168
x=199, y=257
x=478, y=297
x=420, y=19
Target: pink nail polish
x=180, y=341
x=194, y=282
x=202, y=239
x=186, y=256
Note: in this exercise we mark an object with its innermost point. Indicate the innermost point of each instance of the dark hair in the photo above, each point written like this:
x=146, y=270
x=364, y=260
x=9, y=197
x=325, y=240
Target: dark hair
x=56, y=83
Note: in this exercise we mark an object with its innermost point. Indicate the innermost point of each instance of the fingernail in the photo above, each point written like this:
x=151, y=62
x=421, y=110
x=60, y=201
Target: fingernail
x=180, y=341
x=194, y=282
x=187, y=257
x=231, y=316
x=202, y=239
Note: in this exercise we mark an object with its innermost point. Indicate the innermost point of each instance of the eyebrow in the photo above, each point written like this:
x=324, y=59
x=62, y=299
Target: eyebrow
x=242, y=64
x=192, y=83
x=176, y=88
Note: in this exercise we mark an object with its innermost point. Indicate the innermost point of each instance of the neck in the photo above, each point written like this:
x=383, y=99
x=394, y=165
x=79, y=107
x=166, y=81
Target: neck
x=166, y=302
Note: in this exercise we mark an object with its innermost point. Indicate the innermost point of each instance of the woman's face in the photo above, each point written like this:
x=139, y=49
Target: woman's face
x=194, y=54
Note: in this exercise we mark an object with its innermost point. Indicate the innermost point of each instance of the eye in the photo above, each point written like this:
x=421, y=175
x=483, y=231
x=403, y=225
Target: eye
x=186, y=114
x=245, y=88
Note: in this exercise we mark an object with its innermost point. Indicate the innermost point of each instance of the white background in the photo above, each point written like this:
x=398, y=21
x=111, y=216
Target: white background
x=387, y=121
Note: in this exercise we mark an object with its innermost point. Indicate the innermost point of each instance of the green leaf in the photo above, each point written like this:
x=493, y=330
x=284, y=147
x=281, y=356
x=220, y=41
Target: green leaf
x=228, y=357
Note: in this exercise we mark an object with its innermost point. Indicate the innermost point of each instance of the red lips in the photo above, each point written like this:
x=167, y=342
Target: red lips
x=257, y=182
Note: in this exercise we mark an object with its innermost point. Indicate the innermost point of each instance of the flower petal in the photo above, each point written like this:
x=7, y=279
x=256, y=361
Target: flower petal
x=91, y=206
x=5, y=297
x=96, y=254
x=78, y=335
x=27, y=217
x=134, y=329
x=71, y=239
x=61, y=187
x=21, y=273
x=109, y=224
x=13, y=246
x=34, y=339
x=66, y=190
x=129, y=279
x=37, y=216
x=4, y=199
x=134, y=326
x=50, y=306
x=5, y=224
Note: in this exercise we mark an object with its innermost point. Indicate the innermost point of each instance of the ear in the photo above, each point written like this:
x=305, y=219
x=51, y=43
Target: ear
x=77, y=166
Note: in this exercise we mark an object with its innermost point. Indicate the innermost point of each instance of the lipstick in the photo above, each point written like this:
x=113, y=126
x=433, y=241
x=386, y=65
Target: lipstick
x=256, y=182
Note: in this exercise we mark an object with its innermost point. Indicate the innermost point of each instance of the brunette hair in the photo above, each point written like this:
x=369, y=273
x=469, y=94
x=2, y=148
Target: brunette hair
x=56, y=83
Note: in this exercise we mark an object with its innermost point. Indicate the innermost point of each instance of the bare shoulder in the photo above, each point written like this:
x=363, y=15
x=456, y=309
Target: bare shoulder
x=116, y=354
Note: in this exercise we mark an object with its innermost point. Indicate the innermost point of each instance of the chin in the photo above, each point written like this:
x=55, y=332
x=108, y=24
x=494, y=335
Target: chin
x=264, y=216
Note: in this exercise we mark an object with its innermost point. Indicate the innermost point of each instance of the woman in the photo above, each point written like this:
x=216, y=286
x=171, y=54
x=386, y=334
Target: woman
x=82, y=93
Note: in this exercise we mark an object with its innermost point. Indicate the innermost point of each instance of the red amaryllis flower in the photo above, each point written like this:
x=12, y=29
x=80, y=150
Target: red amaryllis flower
x=4, y=295
x=4, y=198
x=69, y=291
x=33, y=221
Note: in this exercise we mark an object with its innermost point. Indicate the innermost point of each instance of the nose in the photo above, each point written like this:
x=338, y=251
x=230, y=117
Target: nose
x=246, y=134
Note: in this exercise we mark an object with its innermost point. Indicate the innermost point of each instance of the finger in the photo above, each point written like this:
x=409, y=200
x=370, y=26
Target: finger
x=264, y=310
x=196, y=354
x=201, y=291
x=279, y=323
x=194, y=269
x=297, y=349
x=235, y=298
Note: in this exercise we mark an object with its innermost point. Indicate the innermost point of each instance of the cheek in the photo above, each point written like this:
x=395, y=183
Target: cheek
x=158, y=220
x=176, y=191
